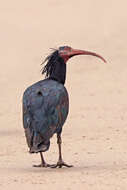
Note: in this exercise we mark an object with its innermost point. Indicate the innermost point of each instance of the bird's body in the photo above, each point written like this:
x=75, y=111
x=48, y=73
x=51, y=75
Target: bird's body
x=46, y=104
x=45, y=109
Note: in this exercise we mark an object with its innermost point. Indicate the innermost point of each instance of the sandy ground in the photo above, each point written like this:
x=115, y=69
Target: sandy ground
x=95, y=134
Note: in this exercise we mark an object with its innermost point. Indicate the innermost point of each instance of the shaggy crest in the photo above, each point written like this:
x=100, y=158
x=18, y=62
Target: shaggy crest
x=51, y=62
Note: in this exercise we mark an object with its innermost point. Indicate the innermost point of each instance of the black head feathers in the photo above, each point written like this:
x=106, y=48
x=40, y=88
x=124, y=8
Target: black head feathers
x=51, y=61
x=55, y=68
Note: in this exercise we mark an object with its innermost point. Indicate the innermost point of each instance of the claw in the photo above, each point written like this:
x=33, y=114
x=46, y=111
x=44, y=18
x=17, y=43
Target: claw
x=42, y=165
x=60, y=165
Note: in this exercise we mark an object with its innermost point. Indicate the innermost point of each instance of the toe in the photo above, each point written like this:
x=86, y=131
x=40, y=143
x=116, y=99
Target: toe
x=38, y=166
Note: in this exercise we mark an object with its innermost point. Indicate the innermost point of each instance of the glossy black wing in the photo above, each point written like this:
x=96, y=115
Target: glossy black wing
x=45, y=109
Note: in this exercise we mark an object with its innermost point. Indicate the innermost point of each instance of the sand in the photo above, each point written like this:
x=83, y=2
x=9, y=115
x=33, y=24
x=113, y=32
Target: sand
x=95, y=133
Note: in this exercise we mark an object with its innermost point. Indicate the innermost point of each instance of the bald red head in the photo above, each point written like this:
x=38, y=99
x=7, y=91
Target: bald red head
x=67, y=52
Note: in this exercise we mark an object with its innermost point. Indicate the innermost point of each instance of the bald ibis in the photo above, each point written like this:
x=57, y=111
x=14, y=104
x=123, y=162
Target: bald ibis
x=46, y=104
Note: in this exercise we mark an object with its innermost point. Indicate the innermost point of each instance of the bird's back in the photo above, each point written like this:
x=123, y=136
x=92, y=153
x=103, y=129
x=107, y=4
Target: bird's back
x=45, y=109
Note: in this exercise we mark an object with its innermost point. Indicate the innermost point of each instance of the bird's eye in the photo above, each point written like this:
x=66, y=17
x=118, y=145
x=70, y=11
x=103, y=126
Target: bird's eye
x=64, y=52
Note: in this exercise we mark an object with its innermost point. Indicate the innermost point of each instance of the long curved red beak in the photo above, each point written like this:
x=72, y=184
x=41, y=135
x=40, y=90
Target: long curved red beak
x=83, y=52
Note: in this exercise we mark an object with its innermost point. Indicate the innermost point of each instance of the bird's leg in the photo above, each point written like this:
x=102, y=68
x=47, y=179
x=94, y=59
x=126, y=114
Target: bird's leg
x=43, y=163
x=60, y=162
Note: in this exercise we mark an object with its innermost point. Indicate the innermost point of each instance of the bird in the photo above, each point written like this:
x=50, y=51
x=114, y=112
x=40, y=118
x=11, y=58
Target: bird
x=46, y=104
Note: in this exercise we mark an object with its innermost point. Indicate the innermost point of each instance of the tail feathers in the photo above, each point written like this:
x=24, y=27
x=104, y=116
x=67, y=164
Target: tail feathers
x=35, y=142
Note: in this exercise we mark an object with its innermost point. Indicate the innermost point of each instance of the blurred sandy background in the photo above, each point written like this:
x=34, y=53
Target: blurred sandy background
x=95, y=134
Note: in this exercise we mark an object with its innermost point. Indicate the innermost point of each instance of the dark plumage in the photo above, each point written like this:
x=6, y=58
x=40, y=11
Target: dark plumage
x=46, y=104
x=55, y=68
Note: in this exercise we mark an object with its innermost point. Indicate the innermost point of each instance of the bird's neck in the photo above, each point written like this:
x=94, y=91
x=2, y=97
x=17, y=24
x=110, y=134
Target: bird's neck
x=59, y=72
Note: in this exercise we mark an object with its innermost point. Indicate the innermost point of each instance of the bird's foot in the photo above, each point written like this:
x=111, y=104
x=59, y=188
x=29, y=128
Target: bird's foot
x=43, y=165
x=60, y=164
